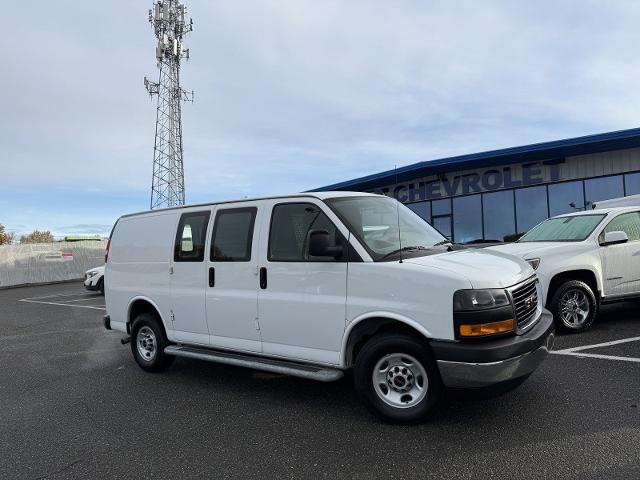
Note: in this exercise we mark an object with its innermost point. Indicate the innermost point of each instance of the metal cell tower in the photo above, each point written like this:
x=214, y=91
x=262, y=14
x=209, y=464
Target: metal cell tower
x=168, y=21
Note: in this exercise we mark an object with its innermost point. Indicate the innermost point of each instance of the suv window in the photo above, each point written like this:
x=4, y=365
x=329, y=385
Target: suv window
x=232, y=235
x=190, y=238
x=628, y=223
x=290, y=227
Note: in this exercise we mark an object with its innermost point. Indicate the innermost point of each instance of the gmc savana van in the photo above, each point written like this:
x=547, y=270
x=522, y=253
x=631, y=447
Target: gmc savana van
x=316, y=284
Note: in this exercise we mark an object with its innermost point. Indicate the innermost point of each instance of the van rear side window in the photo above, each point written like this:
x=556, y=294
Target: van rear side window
x=191, y=237
x=233, y=234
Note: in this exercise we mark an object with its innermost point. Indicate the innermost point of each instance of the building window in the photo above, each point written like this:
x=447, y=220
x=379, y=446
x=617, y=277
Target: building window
x=423, y=209
x=531, y=207
x=632, y=183
x=443, y=225
x=566, y=197
x=467, y=219
x=441, y=207
x=604, y=188
x=498, y=215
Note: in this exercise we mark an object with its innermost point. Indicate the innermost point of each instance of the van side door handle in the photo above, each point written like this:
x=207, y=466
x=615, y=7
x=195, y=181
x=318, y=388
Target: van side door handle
x=263, y=278
x=212, y=277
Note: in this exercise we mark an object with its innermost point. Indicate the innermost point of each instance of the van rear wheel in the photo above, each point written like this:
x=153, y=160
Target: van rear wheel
x=148, y=342
x=397, y=378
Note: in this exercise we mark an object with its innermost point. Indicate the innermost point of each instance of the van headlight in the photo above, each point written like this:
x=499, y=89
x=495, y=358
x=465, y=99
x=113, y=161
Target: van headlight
x=482, y=313
x=534, y=262
x=470, y=300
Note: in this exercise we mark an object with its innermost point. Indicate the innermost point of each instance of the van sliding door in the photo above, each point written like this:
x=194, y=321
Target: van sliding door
x=232, y=278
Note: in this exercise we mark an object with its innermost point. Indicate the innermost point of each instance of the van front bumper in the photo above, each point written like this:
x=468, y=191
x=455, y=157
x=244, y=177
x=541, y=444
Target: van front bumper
x=480, y=364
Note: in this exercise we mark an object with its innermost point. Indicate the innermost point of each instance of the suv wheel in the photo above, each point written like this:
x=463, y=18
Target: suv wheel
x=397, y=378
x=148, y=343
x=573, y=306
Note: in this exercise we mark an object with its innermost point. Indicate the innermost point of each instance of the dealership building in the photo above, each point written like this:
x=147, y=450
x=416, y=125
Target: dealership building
x=494, y=195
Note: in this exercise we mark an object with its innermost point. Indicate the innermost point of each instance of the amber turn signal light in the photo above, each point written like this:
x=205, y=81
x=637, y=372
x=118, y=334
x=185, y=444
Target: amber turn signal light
x=482, y=329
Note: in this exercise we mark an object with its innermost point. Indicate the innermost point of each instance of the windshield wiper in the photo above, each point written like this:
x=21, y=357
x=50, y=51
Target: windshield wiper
x=413, y=248
x=443, y=242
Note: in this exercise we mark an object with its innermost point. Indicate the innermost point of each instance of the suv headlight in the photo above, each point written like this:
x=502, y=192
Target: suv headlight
x=534, y=262
x=470, y=300
x=91, y=274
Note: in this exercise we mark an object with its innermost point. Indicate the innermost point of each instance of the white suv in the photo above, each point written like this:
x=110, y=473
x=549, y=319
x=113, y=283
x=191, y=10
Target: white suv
x=582, y=260
x=94, y=279
x=316, y=284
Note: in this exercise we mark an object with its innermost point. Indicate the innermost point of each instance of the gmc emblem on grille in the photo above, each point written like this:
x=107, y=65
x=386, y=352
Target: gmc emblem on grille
x=530, y=302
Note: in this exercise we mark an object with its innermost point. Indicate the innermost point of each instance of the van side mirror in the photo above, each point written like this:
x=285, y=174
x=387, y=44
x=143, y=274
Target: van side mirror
x=320, y=245
x=615, y=237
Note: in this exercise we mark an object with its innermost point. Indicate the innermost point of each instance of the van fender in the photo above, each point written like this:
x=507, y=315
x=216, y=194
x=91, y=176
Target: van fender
x=152, y=303
x=374, y=315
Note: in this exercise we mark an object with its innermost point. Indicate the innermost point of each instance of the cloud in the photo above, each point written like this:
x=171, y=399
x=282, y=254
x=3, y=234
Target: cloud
x=295, y=94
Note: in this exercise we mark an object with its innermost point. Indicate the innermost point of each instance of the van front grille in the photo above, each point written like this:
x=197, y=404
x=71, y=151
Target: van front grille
x=525, y=302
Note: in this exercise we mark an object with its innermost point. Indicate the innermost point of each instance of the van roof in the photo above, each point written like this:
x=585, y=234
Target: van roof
x=316, y=195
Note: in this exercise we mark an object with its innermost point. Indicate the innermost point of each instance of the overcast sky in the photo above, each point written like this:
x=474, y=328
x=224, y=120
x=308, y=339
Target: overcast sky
x=294, y=94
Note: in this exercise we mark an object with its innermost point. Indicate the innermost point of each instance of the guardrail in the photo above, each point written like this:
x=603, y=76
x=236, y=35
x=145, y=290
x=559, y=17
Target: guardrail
x=27, y=264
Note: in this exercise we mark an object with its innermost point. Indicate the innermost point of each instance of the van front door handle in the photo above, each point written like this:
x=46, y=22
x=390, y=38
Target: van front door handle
x=263, y=278
x=212, y=277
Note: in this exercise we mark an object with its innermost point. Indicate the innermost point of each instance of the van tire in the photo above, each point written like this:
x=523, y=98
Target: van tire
x=148, y=343
x=571, y=291
x=402, y=364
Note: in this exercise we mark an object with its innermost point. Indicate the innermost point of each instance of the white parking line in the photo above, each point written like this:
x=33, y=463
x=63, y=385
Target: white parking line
x=28, y=300
x=596, y=355
x=56, y=295
x=579, y=351
x=93, y=297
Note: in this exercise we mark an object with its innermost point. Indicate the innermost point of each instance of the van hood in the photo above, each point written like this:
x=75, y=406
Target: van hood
x=483, y=268
x=535, y=249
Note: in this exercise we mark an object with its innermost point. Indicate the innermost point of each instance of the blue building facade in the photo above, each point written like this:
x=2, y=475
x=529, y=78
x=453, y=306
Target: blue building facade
x=497, y=195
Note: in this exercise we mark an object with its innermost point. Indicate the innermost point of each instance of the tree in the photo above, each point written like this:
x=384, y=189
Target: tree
x=6, y=238
x=37, y=237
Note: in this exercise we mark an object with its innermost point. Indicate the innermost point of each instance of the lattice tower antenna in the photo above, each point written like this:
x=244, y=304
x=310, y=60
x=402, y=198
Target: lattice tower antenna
x=167, y=17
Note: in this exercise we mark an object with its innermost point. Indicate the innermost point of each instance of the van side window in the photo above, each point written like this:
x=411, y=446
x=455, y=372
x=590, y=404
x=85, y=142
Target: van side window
x=628, y=223
x=289, y=234
x=191, y=237
x=232, y=235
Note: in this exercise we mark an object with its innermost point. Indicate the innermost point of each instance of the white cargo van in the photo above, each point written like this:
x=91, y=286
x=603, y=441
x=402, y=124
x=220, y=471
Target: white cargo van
x=316, y=284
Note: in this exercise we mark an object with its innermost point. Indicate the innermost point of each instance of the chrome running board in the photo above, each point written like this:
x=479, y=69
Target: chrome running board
x=312, y=372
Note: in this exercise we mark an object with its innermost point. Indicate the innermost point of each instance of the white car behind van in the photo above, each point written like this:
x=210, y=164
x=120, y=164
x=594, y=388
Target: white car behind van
x=630, y=201
x=583, y=259
x=94, y=279
x=316, y=284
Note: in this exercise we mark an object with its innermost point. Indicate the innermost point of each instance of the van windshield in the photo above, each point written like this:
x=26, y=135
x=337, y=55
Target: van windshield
x=375, y=220
x=563, y=229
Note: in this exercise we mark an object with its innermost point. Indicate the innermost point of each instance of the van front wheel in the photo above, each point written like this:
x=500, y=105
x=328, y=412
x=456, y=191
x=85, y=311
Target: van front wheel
x=397, y=378
x=148, y=343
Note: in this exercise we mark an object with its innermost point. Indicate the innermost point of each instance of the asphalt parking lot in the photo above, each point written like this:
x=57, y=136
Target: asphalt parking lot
x=74, y=404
